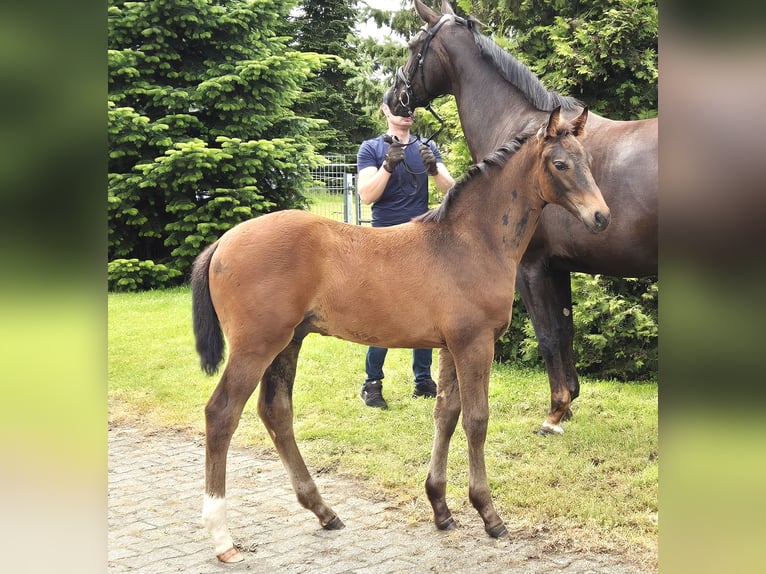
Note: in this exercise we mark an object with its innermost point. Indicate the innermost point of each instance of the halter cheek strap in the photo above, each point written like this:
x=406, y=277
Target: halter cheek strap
x=405, y=96
x=424, y=50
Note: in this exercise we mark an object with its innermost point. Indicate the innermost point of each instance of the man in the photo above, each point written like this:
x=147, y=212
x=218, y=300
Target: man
x=393, y=177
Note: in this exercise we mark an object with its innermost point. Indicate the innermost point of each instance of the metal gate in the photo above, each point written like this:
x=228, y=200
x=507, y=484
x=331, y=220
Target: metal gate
x=334, y=194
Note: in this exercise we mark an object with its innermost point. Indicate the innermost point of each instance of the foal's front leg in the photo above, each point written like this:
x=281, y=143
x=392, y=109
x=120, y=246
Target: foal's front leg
x=473, y=366
x=446, y=413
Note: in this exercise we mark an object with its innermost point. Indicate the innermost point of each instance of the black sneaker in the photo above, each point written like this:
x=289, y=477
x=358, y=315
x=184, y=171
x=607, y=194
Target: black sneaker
x=372, y=394
x=425, y=389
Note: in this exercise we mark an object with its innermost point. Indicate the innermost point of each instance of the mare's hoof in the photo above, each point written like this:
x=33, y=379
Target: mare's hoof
x=334, y=524
x=448, y=524
x=231, y=556
x=567, y=415
x=549, y=429
x=497, y=531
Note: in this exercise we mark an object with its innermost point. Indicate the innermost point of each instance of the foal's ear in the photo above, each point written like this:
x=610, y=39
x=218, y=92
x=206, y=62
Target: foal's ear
x=426, y=14
x=446, y=8
x=553, y=123
x=578, y=124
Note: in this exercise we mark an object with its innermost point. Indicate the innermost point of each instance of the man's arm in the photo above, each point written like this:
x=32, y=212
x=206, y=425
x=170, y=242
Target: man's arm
x=443, y=179
x=371, y=182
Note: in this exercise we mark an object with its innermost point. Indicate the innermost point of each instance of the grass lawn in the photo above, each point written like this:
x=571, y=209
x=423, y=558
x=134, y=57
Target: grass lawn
x=595, y=487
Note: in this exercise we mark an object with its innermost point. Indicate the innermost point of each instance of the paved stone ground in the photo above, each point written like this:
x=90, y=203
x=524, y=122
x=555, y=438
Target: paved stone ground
x=155, y=499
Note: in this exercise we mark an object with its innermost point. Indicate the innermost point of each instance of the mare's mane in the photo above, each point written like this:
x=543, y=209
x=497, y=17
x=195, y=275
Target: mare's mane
x=517, y=74
x=496, y=159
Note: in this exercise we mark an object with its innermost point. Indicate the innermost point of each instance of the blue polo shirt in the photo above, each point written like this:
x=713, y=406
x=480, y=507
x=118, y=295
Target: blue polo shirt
x=406, y=193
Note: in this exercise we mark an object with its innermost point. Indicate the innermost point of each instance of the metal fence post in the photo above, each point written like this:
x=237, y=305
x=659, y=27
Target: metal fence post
x=349, y=213
x=360, y=218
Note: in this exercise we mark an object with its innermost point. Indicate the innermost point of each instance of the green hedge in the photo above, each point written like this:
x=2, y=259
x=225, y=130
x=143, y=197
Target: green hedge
x=135, y=275
x=616, y=329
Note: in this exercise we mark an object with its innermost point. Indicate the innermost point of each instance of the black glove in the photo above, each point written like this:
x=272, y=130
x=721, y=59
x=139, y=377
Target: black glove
x=395, y=154
x=429, y=160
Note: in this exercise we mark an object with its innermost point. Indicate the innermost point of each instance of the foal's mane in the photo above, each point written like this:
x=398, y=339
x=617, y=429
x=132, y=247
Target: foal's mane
x=517, y=74
x=496, y=159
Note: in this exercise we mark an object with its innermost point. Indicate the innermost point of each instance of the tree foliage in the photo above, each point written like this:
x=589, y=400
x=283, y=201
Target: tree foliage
x=202, y=128
x=603, y=52
x=326, y=27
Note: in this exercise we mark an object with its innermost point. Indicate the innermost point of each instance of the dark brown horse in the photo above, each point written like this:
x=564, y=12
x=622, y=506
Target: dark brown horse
x=498, y=97
x=270, y=281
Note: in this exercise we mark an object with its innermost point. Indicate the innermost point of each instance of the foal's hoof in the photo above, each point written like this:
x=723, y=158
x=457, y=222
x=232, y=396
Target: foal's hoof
x=334, y=524
x=497, y=531
x=447, y=524
x=231, y=556
x=567, y=415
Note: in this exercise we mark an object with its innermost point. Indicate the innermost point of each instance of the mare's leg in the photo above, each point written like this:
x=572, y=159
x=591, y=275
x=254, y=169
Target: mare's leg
x=222, y=415
x=275, y=407
x=473, y=364
x=547, y=296
x=446, y=414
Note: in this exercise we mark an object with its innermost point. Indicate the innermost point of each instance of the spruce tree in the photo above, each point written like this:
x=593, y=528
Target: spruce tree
x=202, y=128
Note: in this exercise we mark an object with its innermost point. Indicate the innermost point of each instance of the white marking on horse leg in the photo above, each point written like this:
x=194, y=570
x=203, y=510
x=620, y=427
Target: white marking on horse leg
x=557, y=429
x=214, y=518
x=566, y=312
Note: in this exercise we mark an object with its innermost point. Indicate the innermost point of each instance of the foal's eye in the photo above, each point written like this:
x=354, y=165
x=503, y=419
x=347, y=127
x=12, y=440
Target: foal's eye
x=560, y=165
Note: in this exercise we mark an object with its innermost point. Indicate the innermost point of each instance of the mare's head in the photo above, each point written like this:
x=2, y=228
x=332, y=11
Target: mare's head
x=563, y=174
x=434, y=69
x=424, y=76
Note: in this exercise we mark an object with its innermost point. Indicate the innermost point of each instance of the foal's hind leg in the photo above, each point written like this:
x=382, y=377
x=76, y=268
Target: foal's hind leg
x=446, y=414
x=222, y=415
x=275, y=407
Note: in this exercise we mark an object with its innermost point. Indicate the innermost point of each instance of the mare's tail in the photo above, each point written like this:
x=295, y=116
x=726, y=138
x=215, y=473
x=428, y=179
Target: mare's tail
x=207, y=329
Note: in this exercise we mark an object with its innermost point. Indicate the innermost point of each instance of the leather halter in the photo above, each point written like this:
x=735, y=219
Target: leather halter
x=406, y=96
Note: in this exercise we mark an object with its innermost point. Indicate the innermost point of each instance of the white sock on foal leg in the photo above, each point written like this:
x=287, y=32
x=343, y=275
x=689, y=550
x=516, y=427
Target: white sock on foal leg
x=214, y=519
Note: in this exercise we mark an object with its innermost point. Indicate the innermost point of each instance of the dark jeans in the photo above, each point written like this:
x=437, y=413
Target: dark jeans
x=421, y=363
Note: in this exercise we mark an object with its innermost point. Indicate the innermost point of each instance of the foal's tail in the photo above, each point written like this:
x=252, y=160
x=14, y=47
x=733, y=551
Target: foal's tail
x=207, y=329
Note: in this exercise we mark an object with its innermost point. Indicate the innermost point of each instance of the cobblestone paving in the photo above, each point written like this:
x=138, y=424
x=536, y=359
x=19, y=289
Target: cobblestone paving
x=155, y=499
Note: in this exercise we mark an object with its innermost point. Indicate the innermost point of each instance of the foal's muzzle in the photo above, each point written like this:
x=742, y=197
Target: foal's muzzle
x=602, y=221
